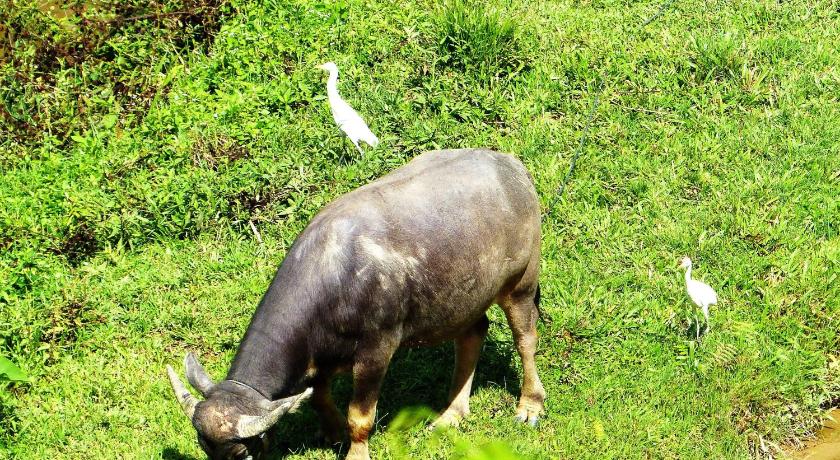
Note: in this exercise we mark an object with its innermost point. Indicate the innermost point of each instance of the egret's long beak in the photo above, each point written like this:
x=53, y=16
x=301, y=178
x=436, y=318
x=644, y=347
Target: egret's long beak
x=320, y=66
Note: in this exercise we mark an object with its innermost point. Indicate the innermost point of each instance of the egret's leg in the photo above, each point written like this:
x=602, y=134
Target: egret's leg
x=696, y=328
x=341, y=141
x=706, y=315
x=356, y=143
x=344, y=148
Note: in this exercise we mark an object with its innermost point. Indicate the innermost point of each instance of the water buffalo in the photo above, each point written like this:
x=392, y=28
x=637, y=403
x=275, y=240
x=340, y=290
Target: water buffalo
x=414, y=258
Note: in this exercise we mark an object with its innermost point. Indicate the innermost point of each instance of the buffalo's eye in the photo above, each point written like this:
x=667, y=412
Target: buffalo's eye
x=239, y=452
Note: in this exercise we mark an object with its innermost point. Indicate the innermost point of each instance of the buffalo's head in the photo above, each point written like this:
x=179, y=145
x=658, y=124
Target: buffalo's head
x=232, y=419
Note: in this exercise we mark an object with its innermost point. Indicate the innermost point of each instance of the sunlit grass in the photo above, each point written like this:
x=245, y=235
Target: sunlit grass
x=126, y=241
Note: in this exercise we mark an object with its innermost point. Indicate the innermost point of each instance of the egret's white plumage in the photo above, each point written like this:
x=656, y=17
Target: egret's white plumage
x=700, y=293
x=345, y=117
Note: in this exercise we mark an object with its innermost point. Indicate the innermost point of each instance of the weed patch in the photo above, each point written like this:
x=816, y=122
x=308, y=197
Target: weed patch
x=79, y=244
x=64, y=325
x=213, y=151
x=715, y=57
x=480, y=40
x=94, y=55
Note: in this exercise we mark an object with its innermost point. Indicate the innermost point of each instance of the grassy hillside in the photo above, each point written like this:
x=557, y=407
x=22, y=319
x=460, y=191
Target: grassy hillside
x=141, y=140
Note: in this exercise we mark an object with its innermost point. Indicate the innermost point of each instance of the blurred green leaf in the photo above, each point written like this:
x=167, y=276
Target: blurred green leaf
x=410, y=417
x=109, y=121
x=9, y=371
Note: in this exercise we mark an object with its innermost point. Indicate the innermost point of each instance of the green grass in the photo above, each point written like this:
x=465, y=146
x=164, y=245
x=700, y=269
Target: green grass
x=134, y=154
x=478, y=40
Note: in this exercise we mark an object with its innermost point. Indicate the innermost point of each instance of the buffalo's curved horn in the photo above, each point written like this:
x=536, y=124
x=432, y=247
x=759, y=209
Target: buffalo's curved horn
x=253, y=425
x=196, y=375
x=184, y=397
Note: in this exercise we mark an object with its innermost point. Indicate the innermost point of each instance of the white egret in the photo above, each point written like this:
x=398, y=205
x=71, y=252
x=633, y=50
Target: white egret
x=700, y=293
x=345, y=117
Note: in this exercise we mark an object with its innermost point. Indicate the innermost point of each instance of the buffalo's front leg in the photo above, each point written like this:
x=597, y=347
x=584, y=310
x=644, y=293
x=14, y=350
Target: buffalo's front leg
x=369, y=369
x=333, y=424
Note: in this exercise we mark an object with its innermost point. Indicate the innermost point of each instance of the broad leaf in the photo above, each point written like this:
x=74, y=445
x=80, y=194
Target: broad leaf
x=8, y=371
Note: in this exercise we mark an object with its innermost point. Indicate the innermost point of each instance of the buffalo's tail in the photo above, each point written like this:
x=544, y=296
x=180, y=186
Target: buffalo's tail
x=540, y=313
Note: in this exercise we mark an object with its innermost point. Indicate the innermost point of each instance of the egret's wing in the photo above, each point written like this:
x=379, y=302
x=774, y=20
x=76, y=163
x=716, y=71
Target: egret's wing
x=342, y=112
x=701, y=293
x=349, y=121
x=354, y=126
x=712, y=295
x=695, y=297
x=361, y=132
x=370, y=138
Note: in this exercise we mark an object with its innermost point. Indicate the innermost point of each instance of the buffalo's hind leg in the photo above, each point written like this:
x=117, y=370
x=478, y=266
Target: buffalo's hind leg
x=467, y=349
x=521, y=312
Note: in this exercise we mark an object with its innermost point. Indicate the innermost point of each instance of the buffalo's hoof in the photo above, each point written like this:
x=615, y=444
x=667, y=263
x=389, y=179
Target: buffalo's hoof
x=530, y=419
x=332, y=438
x=450, y=418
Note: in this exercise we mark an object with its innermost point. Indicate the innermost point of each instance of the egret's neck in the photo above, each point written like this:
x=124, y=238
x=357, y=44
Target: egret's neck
x=332, y=85
x=688, y=274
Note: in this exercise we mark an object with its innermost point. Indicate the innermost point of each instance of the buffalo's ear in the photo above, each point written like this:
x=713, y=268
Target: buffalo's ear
x=196, y=375
x=250, y=425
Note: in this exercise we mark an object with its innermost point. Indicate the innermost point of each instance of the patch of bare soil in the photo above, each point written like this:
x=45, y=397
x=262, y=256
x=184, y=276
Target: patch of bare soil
x=827, y=444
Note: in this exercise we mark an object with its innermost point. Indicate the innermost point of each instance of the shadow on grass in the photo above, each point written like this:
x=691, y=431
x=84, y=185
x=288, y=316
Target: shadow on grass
x=171, y=453
x=416, y=377
x=695, y=330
